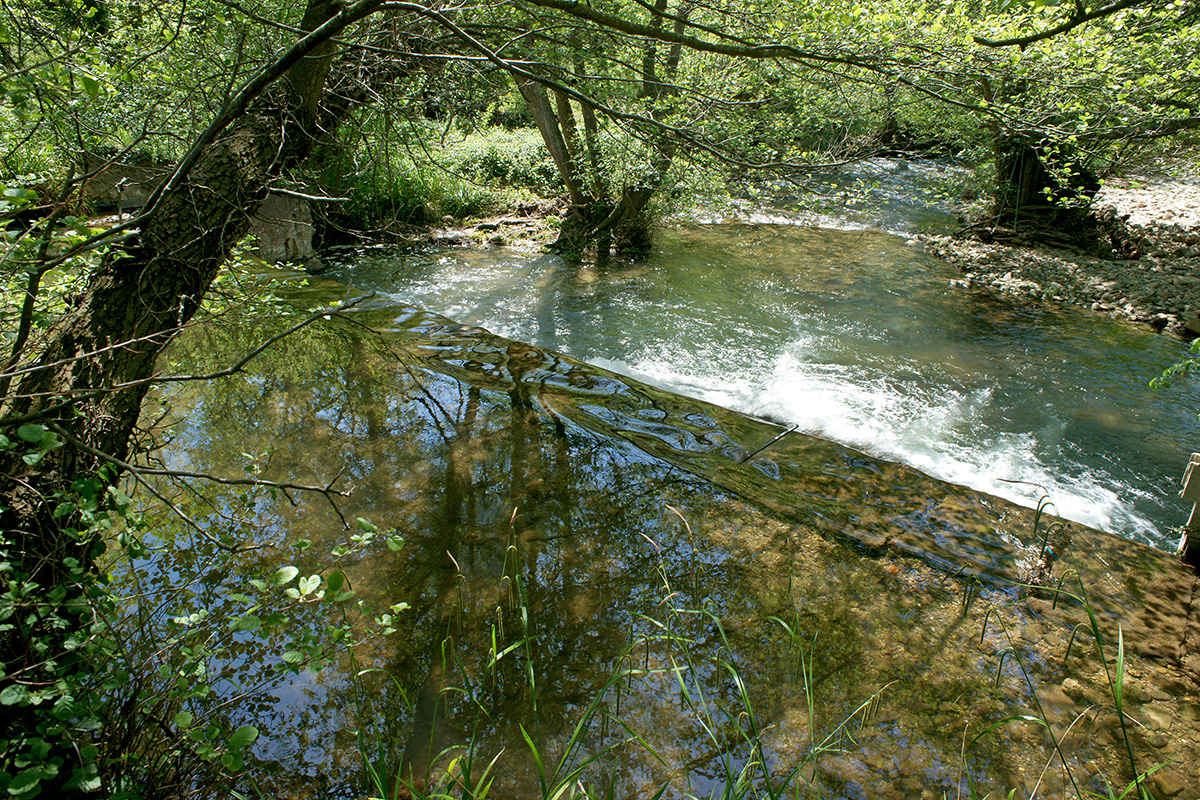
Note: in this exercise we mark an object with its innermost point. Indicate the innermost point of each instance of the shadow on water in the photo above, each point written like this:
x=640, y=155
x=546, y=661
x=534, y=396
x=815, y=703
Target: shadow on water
x=593, y=565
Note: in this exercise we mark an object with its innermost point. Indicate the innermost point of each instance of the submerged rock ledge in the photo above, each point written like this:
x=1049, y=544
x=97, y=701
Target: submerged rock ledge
x=1160, y=286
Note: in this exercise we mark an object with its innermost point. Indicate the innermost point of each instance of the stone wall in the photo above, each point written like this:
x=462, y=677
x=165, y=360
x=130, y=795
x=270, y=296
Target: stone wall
x=284, y=228
x=283, y=225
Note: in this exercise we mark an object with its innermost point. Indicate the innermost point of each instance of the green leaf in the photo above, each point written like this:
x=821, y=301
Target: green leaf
x=184, y=719
x=243, y=737
x=12, y=695
x=335, y=582
x=19, y=197
x=365, y=526
x=32, y=433
x=284, y=575
x=250, y=622
x=26, y=781
x=309, y=585
x=90, y=84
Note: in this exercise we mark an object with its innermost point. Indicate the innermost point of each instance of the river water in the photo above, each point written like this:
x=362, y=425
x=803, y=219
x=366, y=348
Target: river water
x=605, y=589
x=856, y=336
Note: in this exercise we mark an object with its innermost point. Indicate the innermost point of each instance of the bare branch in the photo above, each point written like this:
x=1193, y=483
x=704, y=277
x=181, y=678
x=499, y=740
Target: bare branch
x=136, y=473
x=50, y=411
x=323, y=314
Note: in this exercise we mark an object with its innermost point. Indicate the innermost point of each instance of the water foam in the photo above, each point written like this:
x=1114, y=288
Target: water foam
x=942, y=432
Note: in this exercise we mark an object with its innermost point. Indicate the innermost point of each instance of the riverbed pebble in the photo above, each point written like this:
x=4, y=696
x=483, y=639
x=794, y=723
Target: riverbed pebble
x=1160, y=285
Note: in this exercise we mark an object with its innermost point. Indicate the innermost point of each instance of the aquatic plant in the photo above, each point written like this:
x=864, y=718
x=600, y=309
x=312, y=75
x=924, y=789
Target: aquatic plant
x=1115, y=680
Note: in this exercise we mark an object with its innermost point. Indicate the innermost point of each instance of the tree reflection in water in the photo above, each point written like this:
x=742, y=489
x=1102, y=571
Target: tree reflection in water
x=543, y=555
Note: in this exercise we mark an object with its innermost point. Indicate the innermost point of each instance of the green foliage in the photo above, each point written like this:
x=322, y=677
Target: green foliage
x=398, y=185
x=503, y=158
x=94, y=710
x=1186, y=365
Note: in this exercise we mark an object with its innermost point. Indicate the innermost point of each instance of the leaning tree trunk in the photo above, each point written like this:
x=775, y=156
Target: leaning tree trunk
x=89, y=380
x=595, y=218
x=91, y=377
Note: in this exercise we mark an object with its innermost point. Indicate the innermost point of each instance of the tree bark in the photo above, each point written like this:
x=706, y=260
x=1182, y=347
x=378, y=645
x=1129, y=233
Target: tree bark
x=547, y=123
x=91, y=376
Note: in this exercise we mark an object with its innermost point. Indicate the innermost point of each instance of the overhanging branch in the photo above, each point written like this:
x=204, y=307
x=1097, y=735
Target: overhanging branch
x=1075, y=21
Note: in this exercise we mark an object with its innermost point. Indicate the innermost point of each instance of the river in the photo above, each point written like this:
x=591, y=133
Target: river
x=857, y=336
x=607, y=587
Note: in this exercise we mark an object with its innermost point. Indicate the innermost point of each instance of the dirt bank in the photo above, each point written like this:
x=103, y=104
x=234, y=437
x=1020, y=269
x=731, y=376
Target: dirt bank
x=1158, y=220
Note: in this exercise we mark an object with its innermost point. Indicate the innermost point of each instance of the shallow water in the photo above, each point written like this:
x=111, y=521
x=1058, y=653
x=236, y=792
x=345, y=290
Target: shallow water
x=603, y=569
x=858, y=337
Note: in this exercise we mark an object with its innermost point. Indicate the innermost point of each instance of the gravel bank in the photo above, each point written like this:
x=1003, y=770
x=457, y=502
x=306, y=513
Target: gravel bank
x=1160, y=222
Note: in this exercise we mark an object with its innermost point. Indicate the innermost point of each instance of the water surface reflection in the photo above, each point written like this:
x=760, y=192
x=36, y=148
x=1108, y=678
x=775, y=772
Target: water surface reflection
x=591, y=568
x=858, y=337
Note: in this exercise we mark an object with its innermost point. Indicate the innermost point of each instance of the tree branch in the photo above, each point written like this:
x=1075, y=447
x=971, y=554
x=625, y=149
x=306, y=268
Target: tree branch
x=1075, y=21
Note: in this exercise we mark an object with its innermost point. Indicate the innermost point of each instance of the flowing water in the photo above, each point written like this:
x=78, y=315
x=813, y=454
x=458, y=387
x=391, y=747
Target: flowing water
x=856, y=336
x=607, y=585
x=607, y=572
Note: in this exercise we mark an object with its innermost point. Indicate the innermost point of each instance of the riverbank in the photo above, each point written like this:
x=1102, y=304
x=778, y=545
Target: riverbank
x=1157, y=220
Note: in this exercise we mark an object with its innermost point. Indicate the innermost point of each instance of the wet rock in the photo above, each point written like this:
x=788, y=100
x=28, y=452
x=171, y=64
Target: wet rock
x=1167, y=783
x=1079, y=693
x=1157, y=719
x=1136, y=691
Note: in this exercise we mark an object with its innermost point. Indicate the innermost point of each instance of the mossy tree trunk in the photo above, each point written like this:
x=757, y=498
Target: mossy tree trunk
x=1039, y=183
x=600, y=217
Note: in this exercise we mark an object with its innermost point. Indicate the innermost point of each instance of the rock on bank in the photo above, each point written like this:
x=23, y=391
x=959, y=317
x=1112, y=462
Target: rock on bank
x=1158, y=224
